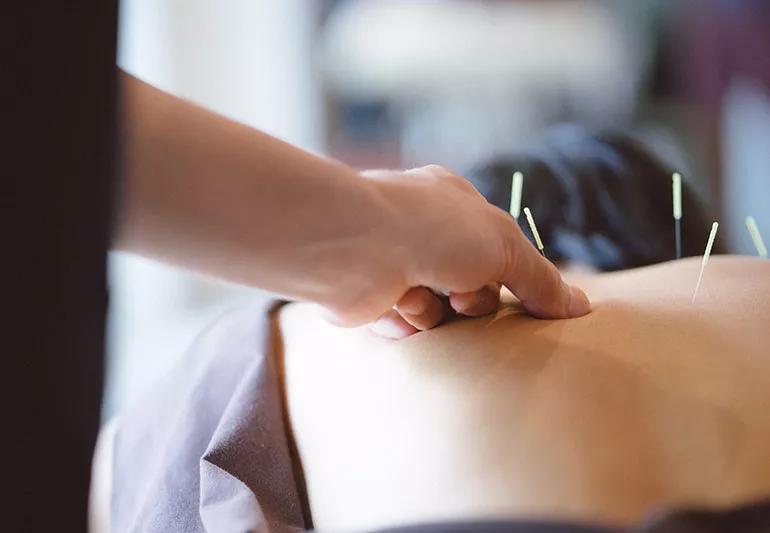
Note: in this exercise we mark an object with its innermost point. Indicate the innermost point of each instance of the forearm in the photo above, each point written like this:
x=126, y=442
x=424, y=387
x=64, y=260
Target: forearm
x=215, y=196
x=193, y=182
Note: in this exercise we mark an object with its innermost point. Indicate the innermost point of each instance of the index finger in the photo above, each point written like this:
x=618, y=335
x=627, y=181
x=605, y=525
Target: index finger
x=537, y=282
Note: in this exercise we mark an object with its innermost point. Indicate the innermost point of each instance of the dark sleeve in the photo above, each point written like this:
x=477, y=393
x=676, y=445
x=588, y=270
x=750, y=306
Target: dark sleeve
x=57, y=89
x=602, y=199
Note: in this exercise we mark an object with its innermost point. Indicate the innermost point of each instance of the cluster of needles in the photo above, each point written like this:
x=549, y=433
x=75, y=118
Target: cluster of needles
x=517, y=185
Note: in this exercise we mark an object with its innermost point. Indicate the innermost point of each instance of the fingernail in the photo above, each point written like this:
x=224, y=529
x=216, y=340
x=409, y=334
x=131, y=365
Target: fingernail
x=415, y=307
x=578, y=303
x=390, y=329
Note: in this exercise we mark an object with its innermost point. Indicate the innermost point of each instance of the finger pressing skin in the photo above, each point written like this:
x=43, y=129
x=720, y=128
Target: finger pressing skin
x=391, y=325
x=478, y=303
x=537, y=282
x=421, y=308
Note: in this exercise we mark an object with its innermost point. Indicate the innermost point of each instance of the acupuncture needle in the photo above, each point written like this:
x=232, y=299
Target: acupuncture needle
x=756, y=236
x=535, y=233
x=516, y=185
x=676, y=184
x=706, y=256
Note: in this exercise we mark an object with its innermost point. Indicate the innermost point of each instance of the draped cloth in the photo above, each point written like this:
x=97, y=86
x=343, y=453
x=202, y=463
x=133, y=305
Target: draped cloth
x=208, y=449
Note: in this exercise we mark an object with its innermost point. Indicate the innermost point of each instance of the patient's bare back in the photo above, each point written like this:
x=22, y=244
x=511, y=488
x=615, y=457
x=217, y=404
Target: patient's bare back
x=648, y=401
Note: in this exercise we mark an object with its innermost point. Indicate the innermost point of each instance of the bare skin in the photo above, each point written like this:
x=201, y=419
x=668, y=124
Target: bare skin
x=648, y=401
x=209, y=194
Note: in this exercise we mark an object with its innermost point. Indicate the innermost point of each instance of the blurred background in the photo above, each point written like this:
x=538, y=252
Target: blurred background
x=400, y=83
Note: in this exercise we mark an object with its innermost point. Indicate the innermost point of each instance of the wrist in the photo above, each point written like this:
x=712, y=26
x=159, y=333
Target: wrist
x=394, y=232
x=357, y=253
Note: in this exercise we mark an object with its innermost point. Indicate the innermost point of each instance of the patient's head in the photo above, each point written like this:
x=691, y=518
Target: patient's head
x=603, y=201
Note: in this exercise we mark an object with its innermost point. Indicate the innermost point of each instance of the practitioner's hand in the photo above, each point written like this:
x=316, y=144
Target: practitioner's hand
x=457, y=243
x=217, y=197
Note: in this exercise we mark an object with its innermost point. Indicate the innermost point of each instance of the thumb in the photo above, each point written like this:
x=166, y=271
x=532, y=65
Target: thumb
x=536, y=282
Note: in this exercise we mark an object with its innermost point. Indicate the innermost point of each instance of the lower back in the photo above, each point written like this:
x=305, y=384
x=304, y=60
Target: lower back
x=648, y=401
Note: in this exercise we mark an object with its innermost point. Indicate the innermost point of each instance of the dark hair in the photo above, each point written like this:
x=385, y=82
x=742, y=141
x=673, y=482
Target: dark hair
x=601, y=200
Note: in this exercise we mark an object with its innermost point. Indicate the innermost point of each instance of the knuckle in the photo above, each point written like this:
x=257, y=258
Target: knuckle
x=437, y=169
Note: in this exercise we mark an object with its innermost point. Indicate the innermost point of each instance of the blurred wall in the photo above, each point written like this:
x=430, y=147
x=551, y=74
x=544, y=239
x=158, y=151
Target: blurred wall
x=462, y=80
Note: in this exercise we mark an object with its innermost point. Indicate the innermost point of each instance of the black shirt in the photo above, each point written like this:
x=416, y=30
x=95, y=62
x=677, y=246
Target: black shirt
x=57, y=88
